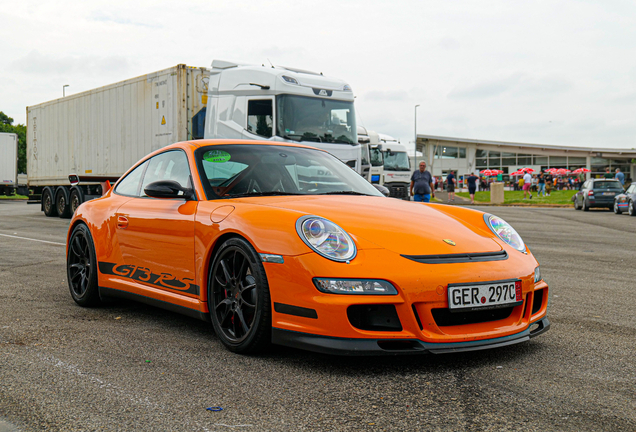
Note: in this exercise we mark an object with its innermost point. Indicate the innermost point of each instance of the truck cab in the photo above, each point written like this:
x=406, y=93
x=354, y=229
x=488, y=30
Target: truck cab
x=397, y=168
x=282, y=104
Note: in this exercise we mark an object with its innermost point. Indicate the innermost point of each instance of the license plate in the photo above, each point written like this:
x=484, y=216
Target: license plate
x=484, y=295
x=608, y=193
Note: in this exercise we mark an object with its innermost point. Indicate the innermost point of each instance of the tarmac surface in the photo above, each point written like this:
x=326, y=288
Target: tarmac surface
x=133, y=367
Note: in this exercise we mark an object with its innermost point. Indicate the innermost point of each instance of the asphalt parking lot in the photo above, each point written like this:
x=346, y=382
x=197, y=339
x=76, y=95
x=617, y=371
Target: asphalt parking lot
x=129, y=366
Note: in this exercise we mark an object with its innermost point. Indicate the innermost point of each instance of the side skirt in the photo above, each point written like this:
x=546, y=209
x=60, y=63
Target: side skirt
x=105, y=292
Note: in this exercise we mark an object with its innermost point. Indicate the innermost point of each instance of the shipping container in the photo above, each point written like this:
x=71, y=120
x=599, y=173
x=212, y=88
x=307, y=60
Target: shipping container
x=102, y=132
x=8, y=163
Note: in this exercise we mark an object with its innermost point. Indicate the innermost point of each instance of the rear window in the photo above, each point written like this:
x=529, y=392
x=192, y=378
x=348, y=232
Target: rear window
x=608, y=185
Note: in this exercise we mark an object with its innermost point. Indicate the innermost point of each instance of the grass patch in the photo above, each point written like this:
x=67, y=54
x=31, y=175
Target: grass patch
x=513, y=197
x=14, y=197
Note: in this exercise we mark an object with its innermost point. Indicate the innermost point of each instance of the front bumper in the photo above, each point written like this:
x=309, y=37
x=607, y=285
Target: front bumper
x=359, y=347
x=415, y=320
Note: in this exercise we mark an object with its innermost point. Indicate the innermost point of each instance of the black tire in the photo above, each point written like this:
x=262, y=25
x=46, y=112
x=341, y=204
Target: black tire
x=630, y=208
x=617, y=210
x=62, y=204
x=585, y=206
x=77, y=197
x=238, y=298
x=81, y=267
x=576, y=204
x=48, y=203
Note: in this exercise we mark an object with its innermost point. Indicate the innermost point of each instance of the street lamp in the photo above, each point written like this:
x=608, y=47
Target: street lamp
x=64, y=90
x=415, y=142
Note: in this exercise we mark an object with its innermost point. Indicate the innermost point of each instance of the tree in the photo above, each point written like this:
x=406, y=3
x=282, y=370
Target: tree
x=6, y=125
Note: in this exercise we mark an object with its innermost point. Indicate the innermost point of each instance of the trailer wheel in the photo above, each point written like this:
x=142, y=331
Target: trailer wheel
x=62, y=204
x=77, y=197
x=47, y=202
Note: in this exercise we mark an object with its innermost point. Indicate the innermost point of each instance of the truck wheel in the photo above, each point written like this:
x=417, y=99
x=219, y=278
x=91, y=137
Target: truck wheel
x=77, y=197
x=81, y=267
x=47, y=203
x=62, y=203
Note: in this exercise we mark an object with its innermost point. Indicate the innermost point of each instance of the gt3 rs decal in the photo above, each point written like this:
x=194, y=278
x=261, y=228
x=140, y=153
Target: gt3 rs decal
x=143, y=274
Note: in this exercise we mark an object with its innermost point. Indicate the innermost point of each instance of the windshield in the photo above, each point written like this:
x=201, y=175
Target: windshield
x=396, y=161
x=376, y=157
x=302, y=118
x=608, y=185
x=239, y=170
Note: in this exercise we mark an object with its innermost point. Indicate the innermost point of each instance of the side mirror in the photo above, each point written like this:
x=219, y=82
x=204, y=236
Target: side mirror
x=168, y=189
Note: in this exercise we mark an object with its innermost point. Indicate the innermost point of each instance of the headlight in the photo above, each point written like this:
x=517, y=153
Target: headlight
x=326, y=238
x=537, y=274
x=355, y=286
x=505, y=232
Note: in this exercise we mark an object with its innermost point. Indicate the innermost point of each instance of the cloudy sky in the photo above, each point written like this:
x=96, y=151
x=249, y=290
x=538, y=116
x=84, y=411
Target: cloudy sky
x=547, y=72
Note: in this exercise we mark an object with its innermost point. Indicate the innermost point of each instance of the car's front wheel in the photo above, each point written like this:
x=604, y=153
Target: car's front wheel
x=81, y=267
x=238, y=298
x=617, y=210
x=630, y=208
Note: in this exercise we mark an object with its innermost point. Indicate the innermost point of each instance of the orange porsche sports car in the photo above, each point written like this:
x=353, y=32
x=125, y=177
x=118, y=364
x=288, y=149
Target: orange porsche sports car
x=284, y=244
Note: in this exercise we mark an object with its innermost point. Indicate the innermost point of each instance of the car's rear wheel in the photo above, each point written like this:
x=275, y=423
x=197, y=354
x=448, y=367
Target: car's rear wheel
x=576, y=204
x=630, y=208
x=238, y=298
x=81, y=267
x=617, y=210
x=585, y=206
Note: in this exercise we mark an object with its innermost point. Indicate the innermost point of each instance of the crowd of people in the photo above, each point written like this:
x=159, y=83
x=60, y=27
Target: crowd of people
x=424, y=185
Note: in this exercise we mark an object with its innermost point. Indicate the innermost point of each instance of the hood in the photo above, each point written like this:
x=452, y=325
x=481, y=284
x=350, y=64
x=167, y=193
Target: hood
x=400, y=226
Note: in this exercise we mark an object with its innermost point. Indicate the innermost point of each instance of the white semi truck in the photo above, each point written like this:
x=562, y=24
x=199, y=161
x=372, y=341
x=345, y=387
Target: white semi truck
x=8, y=163
x=396, y=174
x=98, y=134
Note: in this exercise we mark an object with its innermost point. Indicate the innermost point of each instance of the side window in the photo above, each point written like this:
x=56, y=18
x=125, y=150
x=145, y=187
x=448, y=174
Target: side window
x=171, y=165
x=130, y=184
x=260, y=117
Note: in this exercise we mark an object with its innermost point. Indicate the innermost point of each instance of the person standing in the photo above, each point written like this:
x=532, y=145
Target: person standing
x=422, y=184
x=472, y=186
x=548, y=184
x=527, y=183
x=451, y=182
x=620, y=176
x=608, y=174
x=541, y=184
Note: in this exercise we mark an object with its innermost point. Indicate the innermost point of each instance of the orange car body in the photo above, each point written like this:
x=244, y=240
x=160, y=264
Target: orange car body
x=160, y=250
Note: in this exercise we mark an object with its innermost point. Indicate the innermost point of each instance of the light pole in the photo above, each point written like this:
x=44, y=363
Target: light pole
x=64, y=90
x=415, y=142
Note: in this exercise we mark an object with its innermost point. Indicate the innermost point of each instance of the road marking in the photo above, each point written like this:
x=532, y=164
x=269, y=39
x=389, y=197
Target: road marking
x=26, y=238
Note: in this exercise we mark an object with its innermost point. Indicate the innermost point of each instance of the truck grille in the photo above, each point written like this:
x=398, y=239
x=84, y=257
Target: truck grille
x=398, y=190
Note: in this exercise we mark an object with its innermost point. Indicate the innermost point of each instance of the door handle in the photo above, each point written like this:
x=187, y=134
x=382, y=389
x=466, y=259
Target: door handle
x=122, y=222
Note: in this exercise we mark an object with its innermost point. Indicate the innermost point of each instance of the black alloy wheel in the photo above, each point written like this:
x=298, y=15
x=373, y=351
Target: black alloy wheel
x=238, y=298
x=47, y=203
x=81, y=267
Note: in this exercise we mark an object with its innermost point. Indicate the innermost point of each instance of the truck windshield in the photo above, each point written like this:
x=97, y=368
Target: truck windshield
x=376, y=157
x=396, y=161
x=301, y=118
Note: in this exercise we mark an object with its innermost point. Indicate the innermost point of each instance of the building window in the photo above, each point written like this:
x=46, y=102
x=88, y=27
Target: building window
x=576, y=162
x=524, y=159
x=541, y=160
x=508, y=159
x=481, y=159
x=494, y=159
x=462, y=153
x=558, y=161
x=449, y=152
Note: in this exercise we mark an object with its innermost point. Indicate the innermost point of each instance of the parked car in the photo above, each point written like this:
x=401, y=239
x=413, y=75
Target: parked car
x=625, y=201
x=597, y=193
x=285, y=244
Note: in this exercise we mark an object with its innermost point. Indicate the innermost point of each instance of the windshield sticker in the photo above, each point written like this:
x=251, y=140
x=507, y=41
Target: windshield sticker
x=216, y=156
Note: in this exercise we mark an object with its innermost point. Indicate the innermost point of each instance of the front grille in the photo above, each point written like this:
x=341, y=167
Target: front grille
x=444, y=318
x=397, y=191
x=382, y=317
